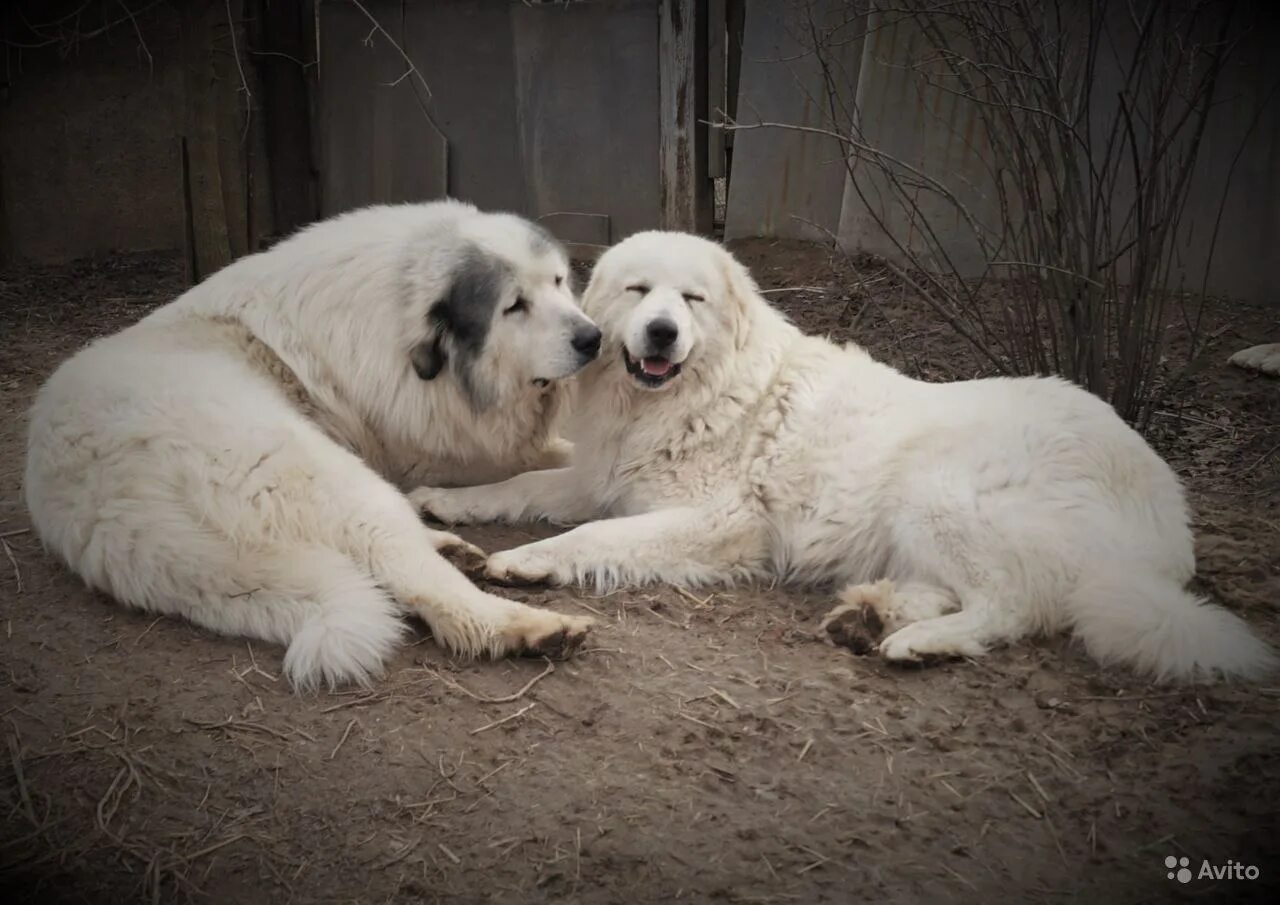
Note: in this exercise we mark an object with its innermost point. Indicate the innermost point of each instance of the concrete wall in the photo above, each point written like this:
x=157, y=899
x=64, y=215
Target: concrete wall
x=88, y=155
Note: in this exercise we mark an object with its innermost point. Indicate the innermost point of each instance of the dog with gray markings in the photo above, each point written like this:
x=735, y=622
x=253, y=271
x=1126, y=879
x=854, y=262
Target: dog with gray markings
x=237, y=457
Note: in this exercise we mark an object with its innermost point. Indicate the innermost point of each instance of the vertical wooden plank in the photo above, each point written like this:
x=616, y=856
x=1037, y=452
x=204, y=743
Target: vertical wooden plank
x=677, y=105
x=703, y=185
x=232, y=98
x=6, y=239
x=466, y=52
x=284, y=53
x=717, y=96
x=190, y=268
x=379, y=141
x=208, y=213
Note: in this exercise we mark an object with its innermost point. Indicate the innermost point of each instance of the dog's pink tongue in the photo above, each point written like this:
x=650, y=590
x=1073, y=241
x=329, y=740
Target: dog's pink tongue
x=655, y=367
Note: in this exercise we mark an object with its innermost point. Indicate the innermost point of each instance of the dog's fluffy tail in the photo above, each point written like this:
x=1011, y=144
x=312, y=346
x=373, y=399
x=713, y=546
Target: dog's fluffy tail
x=1155, y=626
x=339, y=626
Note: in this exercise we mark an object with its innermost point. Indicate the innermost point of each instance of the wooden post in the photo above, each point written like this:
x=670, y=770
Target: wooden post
x=677, y=106
x=735, y=25
x=717, y=93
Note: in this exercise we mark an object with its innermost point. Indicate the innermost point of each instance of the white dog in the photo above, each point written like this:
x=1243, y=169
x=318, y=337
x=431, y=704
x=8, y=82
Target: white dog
x=720, y=444
x=234, y=457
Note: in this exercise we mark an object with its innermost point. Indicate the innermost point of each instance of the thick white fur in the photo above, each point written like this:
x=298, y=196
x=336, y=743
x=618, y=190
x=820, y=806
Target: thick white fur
x=234, y=457
x=995, y=508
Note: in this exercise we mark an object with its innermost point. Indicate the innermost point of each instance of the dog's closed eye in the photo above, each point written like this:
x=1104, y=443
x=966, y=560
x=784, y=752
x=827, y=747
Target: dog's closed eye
x=520, y=304
x=640, y=288
x=693, y=297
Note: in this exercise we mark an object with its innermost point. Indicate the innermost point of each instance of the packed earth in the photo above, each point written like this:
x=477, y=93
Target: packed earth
x=701, y=746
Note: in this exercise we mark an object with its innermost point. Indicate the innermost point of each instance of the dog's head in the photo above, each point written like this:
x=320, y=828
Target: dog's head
x=507, y=317
x=668, y=302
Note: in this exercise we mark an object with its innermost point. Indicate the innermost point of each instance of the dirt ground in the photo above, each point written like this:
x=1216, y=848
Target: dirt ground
x=701, y=748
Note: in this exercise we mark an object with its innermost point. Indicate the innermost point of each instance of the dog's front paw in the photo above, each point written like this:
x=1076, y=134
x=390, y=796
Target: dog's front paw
x=545, y=633
x=899, y=648
x=925, y=642
x=466, y=556
x=521, y=566
x=442, y=504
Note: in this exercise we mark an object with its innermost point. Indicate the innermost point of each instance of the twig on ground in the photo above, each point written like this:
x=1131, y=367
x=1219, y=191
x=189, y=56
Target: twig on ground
x=17, y=573
x=1028, y=808
x=506, y=719
x=243, y=725
x=146, y=630
x=15, y=758
x=504, y=699
x=342, y=741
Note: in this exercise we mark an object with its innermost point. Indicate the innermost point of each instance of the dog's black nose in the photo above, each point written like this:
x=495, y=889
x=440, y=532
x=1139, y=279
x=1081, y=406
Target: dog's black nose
x=662, y=332
x=587, y=341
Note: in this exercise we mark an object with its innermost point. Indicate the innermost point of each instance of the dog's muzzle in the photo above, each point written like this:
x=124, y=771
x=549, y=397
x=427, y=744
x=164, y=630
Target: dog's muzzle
x=655, y=367
x=651, y=371
x=586, y=342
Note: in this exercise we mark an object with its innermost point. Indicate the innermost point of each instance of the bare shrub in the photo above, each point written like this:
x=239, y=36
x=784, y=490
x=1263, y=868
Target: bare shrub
x=1091, y=115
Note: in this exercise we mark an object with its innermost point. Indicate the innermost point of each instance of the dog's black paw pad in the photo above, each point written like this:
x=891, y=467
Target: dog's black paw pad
x=859, y=629
x=558, y=645
x=466, y=559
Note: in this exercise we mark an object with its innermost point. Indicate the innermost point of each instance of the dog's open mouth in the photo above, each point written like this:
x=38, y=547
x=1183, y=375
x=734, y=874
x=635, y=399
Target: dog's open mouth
x=653, y=371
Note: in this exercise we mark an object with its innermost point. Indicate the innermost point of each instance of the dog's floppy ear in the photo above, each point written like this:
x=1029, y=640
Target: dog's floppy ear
x=743, y=292
x=429, y=358
x=591, y=295
x=459, y=324
x=459, y=320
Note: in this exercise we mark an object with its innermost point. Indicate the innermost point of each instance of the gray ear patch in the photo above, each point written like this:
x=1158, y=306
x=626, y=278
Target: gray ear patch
x=428, y=358
x=459, y=322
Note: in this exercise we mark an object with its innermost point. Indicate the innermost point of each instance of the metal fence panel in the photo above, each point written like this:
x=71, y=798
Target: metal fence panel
x=790, y=183
x=586, y=100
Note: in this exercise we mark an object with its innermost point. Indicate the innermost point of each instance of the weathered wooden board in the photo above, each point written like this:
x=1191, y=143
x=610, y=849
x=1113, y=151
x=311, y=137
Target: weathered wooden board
x=378, y=138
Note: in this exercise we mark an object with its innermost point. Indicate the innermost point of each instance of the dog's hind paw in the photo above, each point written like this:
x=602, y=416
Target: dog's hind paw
x=856, y=627
x=545, y=633
x=465, y=556
x=856, y=623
